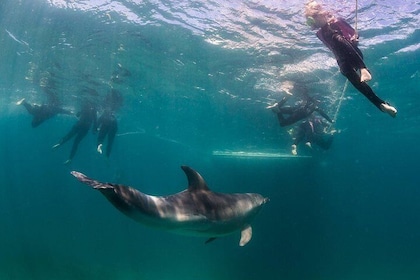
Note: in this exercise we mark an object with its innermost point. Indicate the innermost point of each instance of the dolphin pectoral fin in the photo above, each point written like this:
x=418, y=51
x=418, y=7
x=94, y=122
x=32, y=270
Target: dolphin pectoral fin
x=90, y=182
x=210, y=240
x=246, y=235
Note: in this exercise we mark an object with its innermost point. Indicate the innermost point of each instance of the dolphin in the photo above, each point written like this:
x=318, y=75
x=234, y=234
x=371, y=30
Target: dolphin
x=196, y=211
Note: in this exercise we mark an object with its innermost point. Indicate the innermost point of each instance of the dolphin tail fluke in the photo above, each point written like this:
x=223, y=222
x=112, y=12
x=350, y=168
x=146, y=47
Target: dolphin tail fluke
x=90, y=182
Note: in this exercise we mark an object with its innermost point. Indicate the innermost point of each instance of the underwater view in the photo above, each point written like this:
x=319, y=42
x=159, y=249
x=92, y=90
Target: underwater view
x=306, y=140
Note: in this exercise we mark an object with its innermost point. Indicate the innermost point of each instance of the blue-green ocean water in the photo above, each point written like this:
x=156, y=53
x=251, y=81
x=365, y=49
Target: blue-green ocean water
x=201, y=74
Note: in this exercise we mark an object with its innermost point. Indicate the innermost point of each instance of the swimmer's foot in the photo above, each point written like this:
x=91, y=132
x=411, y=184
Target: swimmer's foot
x=271, y=106
x=274, y=107
x=56, y=146
x=99, y=149
x=308, y=144
x=365, y=75
x=67, y=162
x=20, y=101
x=294, y=150
x=385, y=107
x=332, y=131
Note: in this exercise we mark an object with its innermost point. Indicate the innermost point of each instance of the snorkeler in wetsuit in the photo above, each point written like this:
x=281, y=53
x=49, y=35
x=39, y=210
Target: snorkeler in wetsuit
x=107, y=122
x=342, y=40
x=107, y=125
x=87, y=119
x=45, y=111
x=288, y=115
x=312, y=130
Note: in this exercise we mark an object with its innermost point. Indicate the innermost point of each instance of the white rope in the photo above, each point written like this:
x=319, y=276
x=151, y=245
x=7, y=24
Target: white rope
x=355, y=25
x=340, y=100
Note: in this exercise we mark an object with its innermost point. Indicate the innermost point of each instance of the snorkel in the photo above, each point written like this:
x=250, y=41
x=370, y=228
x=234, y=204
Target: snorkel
x=316, y=16
x=310, y=21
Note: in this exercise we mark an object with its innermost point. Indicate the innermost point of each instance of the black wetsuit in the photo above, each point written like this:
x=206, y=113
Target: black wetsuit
x=289, y=115
x=312, y=130
x=41, y=113
x=107, y=125
x=340, y=38
x=50, y=108
x=87, y=119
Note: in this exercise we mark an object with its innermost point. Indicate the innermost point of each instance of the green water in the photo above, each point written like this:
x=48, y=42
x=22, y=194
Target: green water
x=201, y=74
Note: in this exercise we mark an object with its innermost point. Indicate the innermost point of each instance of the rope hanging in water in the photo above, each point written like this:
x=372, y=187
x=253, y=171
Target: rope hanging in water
x=340, y=100
x=355, y=24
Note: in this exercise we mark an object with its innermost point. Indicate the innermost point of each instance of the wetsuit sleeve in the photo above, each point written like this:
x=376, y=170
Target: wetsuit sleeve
x=347, y=31
x=351, y=50
x=347, y=36
x=321, y=36
x=335, y=37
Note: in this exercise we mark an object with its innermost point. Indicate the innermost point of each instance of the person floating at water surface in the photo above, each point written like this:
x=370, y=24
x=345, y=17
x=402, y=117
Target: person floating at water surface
x=342, y=40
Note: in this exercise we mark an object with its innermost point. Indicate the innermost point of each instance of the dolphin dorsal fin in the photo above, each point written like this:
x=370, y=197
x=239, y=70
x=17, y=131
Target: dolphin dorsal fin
x=195, y=181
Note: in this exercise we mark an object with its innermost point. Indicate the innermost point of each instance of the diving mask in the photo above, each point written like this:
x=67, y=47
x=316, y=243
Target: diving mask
x=310, y=21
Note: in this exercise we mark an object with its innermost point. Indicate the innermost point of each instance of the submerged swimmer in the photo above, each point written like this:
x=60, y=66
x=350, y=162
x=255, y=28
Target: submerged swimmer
x=288, y=115
x=107, y=124
x=43, y=112
x=47, y=110
x=342, y=40
x=312, y=131
x=87, y=119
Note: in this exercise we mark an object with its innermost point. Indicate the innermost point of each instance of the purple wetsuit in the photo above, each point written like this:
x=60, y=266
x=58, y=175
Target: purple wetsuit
x=339, y=37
